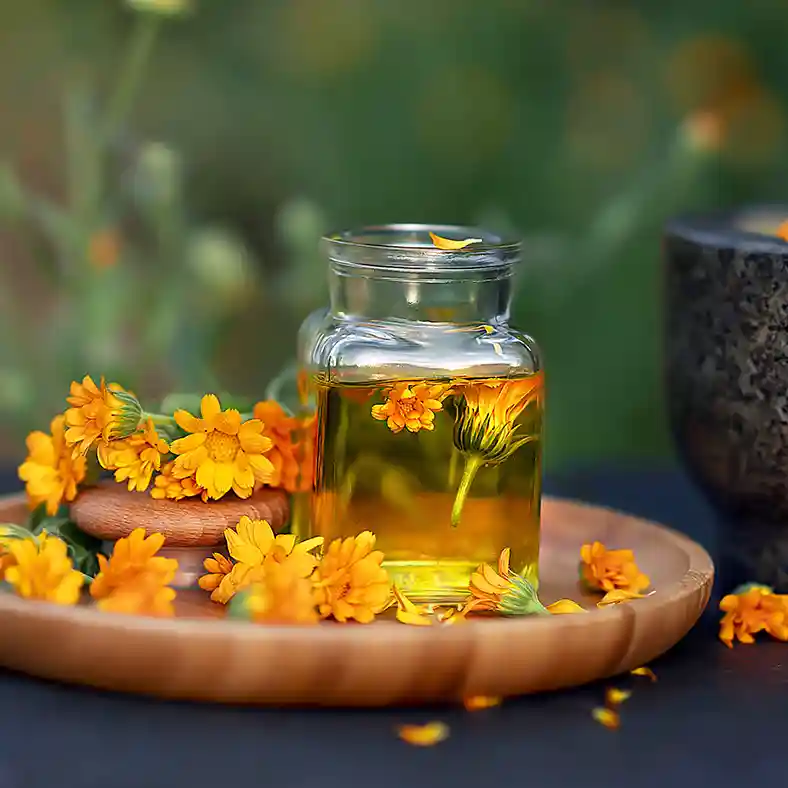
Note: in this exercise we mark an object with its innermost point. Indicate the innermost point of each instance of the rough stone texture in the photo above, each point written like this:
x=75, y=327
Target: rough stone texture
x=726, y=361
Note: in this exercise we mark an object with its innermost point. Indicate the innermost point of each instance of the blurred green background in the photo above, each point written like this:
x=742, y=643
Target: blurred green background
x=164, y=178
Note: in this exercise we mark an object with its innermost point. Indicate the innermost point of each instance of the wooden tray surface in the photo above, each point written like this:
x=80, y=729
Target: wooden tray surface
x=200, y=655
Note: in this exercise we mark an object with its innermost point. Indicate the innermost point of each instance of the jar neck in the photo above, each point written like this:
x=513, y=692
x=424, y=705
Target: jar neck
x=423, y=299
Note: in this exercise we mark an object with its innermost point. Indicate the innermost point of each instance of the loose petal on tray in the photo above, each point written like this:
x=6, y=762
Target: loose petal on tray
x=565, y=606
x=644, y=671
x=424, y=735
x=410, y=613
x=619, y=595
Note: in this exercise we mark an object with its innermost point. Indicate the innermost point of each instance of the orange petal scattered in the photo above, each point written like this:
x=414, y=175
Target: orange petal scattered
x=607, y=717
x=644, y=671
x=410, y=613
x=451, y=244
x=615, y=697
x=565, y=606
x=423, y=735
x=618, y=595
x=782, y=231
x=478, y=702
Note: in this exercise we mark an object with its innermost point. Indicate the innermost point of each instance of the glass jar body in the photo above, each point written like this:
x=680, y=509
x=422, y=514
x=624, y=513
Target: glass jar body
x=428, y=433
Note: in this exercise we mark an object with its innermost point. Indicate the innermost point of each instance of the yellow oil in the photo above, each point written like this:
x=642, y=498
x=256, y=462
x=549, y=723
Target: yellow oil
x=403, y=486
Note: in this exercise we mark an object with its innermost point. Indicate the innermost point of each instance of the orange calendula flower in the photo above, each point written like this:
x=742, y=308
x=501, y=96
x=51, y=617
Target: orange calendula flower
x=479, y=702
x=167, y=486
x=350, y=583
x=253, y=545
x=752, y=609
x=410, y=613
x=42, y=570
x=9, y=534
x=99, y=414
x=134, y=459
x=644, y=671
x=222, y=452
x=50, y=473
x=485, y=428
x=609, y=570
x=608, y=717
x=135, y=572
x=782, y=231
x=411, y=406
x=144, y=598
x=565, y=606
x=424, y=735
x=502, y=591
x=279, y=595
x=451, y=245
x=279, y=428
x=615, y=697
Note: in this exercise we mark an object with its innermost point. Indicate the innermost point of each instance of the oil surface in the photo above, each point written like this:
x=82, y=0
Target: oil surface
x=403, y=483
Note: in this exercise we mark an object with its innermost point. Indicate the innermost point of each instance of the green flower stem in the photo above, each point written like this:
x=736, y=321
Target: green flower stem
x=472, y=464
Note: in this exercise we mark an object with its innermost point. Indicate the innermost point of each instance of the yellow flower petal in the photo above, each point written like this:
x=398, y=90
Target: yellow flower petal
x=607, y=717
x=644, y=671
x=414, y=619
x=424, y=735
x=450, y=244
x=564, y=606
x=618, y=595
x=477, y=702
x=615, y=696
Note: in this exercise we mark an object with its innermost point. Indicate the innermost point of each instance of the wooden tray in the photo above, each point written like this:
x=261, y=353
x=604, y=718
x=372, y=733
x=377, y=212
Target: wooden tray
x=199, y=655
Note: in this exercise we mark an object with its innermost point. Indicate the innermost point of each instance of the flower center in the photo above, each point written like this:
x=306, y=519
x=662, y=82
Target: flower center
x=221, y=447
x=406, y=405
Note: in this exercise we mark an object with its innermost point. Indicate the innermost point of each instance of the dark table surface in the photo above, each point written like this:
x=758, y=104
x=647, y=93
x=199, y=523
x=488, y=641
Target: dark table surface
x=716, y=716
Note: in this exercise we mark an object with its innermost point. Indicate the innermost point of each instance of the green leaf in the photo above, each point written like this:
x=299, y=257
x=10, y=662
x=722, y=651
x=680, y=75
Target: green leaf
x=237, y=607
x=82, y=547
x=12, y=531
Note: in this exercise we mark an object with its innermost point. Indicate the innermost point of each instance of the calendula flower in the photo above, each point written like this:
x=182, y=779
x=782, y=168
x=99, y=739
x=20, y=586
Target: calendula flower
x=611, y=570
x=51, y=473
x=253, y=545
x=279, y=428
x=135, y=572
x=99, y=414
x=9, y=533
x=751, y=609
x=350, y=583
x=485, y=428
x=279, y=595
x=42, y=570
x=479, y=702
x=147, y=597
x=451, y=245
x=134, y=459
x=424, y=735
x=502, y=591
x=408, y=612
x=218, y=567
x=222, y=452
x=410, y=406
x=165, y=485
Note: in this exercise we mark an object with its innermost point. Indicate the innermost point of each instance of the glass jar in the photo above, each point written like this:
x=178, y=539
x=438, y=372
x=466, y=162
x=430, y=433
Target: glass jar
x=428, y=407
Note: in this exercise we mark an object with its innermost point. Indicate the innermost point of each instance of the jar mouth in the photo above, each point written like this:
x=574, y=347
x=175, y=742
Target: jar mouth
x=388, y=249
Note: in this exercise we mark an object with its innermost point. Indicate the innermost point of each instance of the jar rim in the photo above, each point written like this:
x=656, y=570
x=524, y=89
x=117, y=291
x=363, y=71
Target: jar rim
x=407, y=247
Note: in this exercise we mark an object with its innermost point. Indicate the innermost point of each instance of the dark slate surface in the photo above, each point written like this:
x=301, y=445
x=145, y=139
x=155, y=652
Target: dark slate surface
x=716, y=717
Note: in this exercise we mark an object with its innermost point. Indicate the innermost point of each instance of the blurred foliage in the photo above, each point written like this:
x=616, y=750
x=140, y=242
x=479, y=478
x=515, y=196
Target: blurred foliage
x=259, y=125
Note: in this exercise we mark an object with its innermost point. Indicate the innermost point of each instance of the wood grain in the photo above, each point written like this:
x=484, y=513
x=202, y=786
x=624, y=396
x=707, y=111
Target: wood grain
x=109, y=511
x=201, y=655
